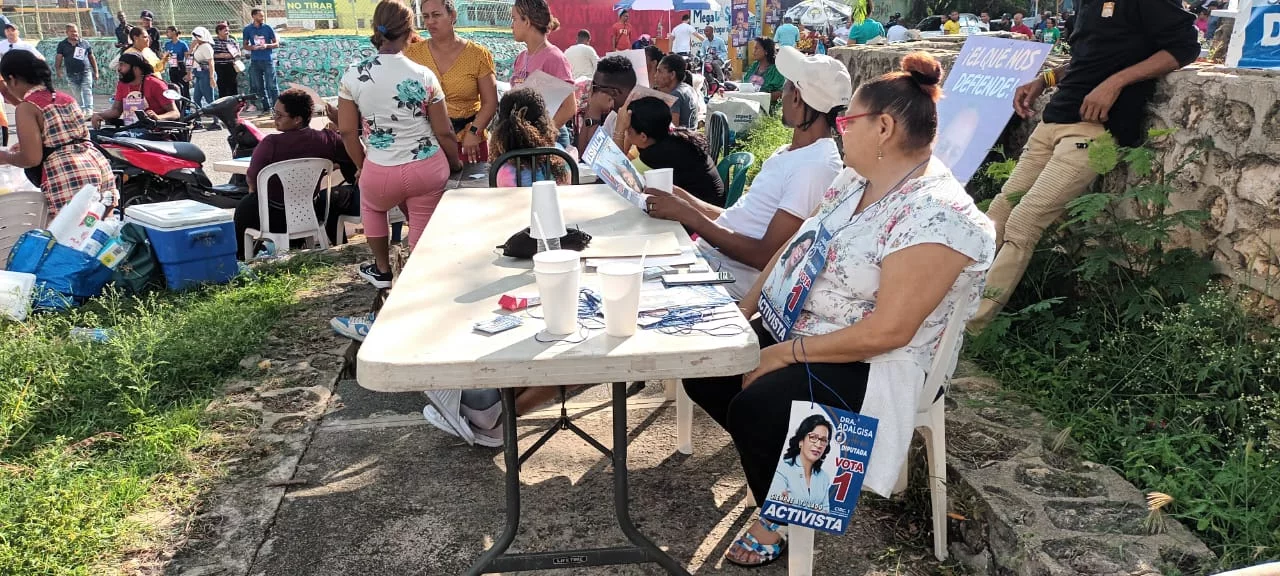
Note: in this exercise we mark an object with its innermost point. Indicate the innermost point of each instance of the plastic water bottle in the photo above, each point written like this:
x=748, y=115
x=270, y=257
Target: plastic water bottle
x=268, y=249
x=90, y=334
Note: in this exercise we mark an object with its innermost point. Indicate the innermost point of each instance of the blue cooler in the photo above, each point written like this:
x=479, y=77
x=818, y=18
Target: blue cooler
x=194, y=242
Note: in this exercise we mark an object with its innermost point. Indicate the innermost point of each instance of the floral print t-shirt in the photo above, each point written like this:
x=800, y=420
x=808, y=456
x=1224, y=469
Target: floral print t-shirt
x=933, y=209
x=393, y=93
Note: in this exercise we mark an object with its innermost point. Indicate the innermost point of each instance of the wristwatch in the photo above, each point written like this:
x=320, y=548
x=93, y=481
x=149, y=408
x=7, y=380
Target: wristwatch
x=589, y=122
x=473, y=129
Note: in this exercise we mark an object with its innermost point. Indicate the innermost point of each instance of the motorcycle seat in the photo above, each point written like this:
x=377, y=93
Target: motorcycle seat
x=183, y=150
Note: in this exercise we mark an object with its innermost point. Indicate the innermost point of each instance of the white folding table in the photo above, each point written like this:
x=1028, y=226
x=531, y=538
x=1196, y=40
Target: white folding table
x=423, y=340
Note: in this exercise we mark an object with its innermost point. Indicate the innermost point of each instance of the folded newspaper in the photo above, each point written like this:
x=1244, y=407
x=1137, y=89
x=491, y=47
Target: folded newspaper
x=613, y=167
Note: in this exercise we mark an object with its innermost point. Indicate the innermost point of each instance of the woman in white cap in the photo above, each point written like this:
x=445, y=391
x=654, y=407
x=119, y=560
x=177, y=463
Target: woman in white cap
x=898, y=248
x=200, y=68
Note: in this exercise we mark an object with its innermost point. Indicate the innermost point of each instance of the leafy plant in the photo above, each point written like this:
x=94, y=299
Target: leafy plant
x=1115, y=331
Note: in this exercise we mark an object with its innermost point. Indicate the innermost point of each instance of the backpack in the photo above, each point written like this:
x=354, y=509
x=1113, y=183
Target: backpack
x=139, y=269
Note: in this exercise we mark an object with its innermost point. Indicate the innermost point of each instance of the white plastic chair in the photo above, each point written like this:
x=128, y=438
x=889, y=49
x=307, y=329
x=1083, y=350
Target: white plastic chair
x=298, y=179
x=930, y=415
x=20, y=212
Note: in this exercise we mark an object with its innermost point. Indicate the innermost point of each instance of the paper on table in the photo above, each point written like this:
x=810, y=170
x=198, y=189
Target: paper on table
x=655, y=296
x=621, y=246
x=640, y=92
x=685, y=257
x=553, y=90
x=638, y=61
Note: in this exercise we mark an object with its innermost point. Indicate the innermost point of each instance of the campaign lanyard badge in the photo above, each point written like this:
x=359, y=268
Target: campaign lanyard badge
x=134, y=102
x=779, y=310
x=823, y=465
x=79, y=53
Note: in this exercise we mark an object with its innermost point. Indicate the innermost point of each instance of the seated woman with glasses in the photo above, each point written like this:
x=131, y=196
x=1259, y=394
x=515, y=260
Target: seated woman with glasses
x=297, y=139
x=898, y=247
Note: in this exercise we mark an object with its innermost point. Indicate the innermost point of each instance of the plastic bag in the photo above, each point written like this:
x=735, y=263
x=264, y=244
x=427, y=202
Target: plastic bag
x=14, y=179
x=65, y=276
x=139, y=270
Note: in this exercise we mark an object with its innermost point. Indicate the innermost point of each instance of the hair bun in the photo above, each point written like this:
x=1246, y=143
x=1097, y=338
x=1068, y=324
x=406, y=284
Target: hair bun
x=553, y=25
x=925, y=70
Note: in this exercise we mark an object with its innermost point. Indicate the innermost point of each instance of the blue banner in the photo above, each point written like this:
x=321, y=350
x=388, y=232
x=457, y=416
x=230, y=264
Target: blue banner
x=1261, y=47
x=979, y=98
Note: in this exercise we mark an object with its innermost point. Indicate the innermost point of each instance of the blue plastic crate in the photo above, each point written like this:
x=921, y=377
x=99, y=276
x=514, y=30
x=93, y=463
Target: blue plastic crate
x=195, y=243
x=216, y=270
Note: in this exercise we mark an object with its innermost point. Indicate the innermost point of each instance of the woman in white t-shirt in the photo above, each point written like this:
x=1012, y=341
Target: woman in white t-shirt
x=200, y=67
x=895, y=248
x=408, y=147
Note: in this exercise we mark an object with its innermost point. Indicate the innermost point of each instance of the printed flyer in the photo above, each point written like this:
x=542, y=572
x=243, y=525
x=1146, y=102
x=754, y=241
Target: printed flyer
x=613, y=167
x=824, y=461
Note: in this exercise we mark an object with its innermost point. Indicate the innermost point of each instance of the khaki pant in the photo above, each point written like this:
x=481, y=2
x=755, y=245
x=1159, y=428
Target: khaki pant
x=1053, y=170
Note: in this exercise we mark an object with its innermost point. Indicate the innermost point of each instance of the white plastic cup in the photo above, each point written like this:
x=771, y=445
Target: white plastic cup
x=660, y=179
x=546, y=221
x=558, y=276
x=620, y=287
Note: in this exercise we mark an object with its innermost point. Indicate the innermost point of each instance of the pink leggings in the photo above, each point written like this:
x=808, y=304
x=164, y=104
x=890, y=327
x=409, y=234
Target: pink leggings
x=415, y=187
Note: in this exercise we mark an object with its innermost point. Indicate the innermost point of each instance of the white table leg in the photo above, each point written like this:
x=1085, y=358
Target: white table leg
x=684, y=420
x=799, y=551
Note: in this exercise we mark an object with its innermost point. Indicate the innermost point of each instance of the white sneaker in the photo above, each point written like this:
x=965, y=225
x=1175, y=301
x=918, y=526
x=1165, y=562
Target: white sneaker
x=448, y=404
x=488, y=438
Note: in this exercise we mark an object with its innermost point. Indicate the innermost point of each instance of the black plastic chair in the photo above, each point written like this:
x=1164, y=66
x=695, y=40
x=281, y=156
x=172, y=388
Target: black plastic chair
x=718, y=135
x=535, y=160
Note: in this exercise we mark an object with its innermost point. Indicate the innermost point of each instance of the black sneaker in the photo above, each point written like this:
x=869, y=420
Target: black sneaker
x=377, y=279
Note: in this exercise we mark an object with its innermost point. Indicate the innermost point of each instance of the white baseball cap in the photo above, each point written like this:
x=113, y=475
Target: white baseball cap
x=823, y=81
x=201, y=33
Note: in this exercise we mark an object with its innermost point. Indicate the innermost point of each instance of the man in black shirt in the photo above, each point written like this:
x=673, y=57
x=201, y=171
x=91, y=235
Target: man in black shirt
x=147, y=23
x=122, y=31
x=1119, y=48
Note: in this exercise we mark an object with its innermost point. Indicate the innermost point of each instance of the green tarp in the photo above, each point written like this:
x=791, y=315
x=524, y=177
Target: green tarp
x=315, y=61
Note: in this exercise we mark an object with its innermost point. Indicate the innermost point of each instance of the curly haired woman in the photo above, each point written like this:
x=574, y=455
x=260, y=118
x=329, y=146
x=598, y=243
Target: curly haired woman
x=523, y=123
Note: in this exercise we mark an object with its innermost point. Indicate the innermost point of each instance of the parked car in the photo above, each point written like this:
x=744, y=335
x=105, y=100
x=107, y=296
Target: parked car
x=931, y=27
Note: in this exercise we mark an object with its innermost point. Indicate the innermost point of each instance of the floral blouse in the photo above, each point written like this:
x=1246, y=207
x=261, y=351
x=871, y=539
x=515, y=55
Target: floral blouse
x=393, y=94
x=934, y=209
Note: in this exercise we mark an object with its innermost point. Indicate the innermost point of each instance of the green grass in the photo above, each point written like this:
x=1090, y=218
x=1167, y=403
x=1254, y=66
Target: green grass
x=95, y=435
x=763, y=138
x=1168, y=377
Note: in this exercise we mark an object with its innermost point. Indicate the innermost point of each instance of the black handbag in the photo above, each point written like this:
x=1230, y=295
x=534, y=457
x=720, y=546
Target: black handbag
x=522, y=245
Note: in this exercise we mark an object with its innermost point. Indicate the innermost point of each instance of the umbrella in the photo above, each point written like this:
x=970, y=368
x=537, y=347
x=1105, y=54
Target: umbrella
x=819, y=12
x=667, y=5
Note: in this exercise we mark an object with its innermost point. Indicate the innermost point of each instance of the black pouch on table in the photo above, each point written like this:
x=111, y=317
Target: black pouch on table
x=522, y=245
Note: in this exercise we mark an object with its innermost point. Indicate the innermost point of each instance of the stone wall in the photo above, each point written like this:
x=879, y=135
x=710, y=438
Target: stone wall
x=1230, y=117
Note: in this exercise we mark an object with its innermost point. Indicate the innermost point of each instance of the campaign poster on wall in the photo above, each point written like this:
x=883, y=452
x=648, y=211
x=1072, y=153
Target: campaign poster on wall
x=979, y=98
x=1257, y=43
x=823, y=464
x=741, y=23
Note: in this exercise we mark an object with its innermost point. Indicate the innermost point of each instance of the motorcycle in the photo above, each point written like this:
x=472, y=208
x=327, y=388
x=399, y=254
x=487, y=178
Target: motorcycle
x=712, y=70
x=152, y=168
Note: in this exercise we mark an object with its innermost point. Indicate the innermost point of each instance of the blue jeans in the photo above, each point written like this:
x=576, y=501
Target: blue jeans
x=82, y=89
x=262, y=82
x=202, y=91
